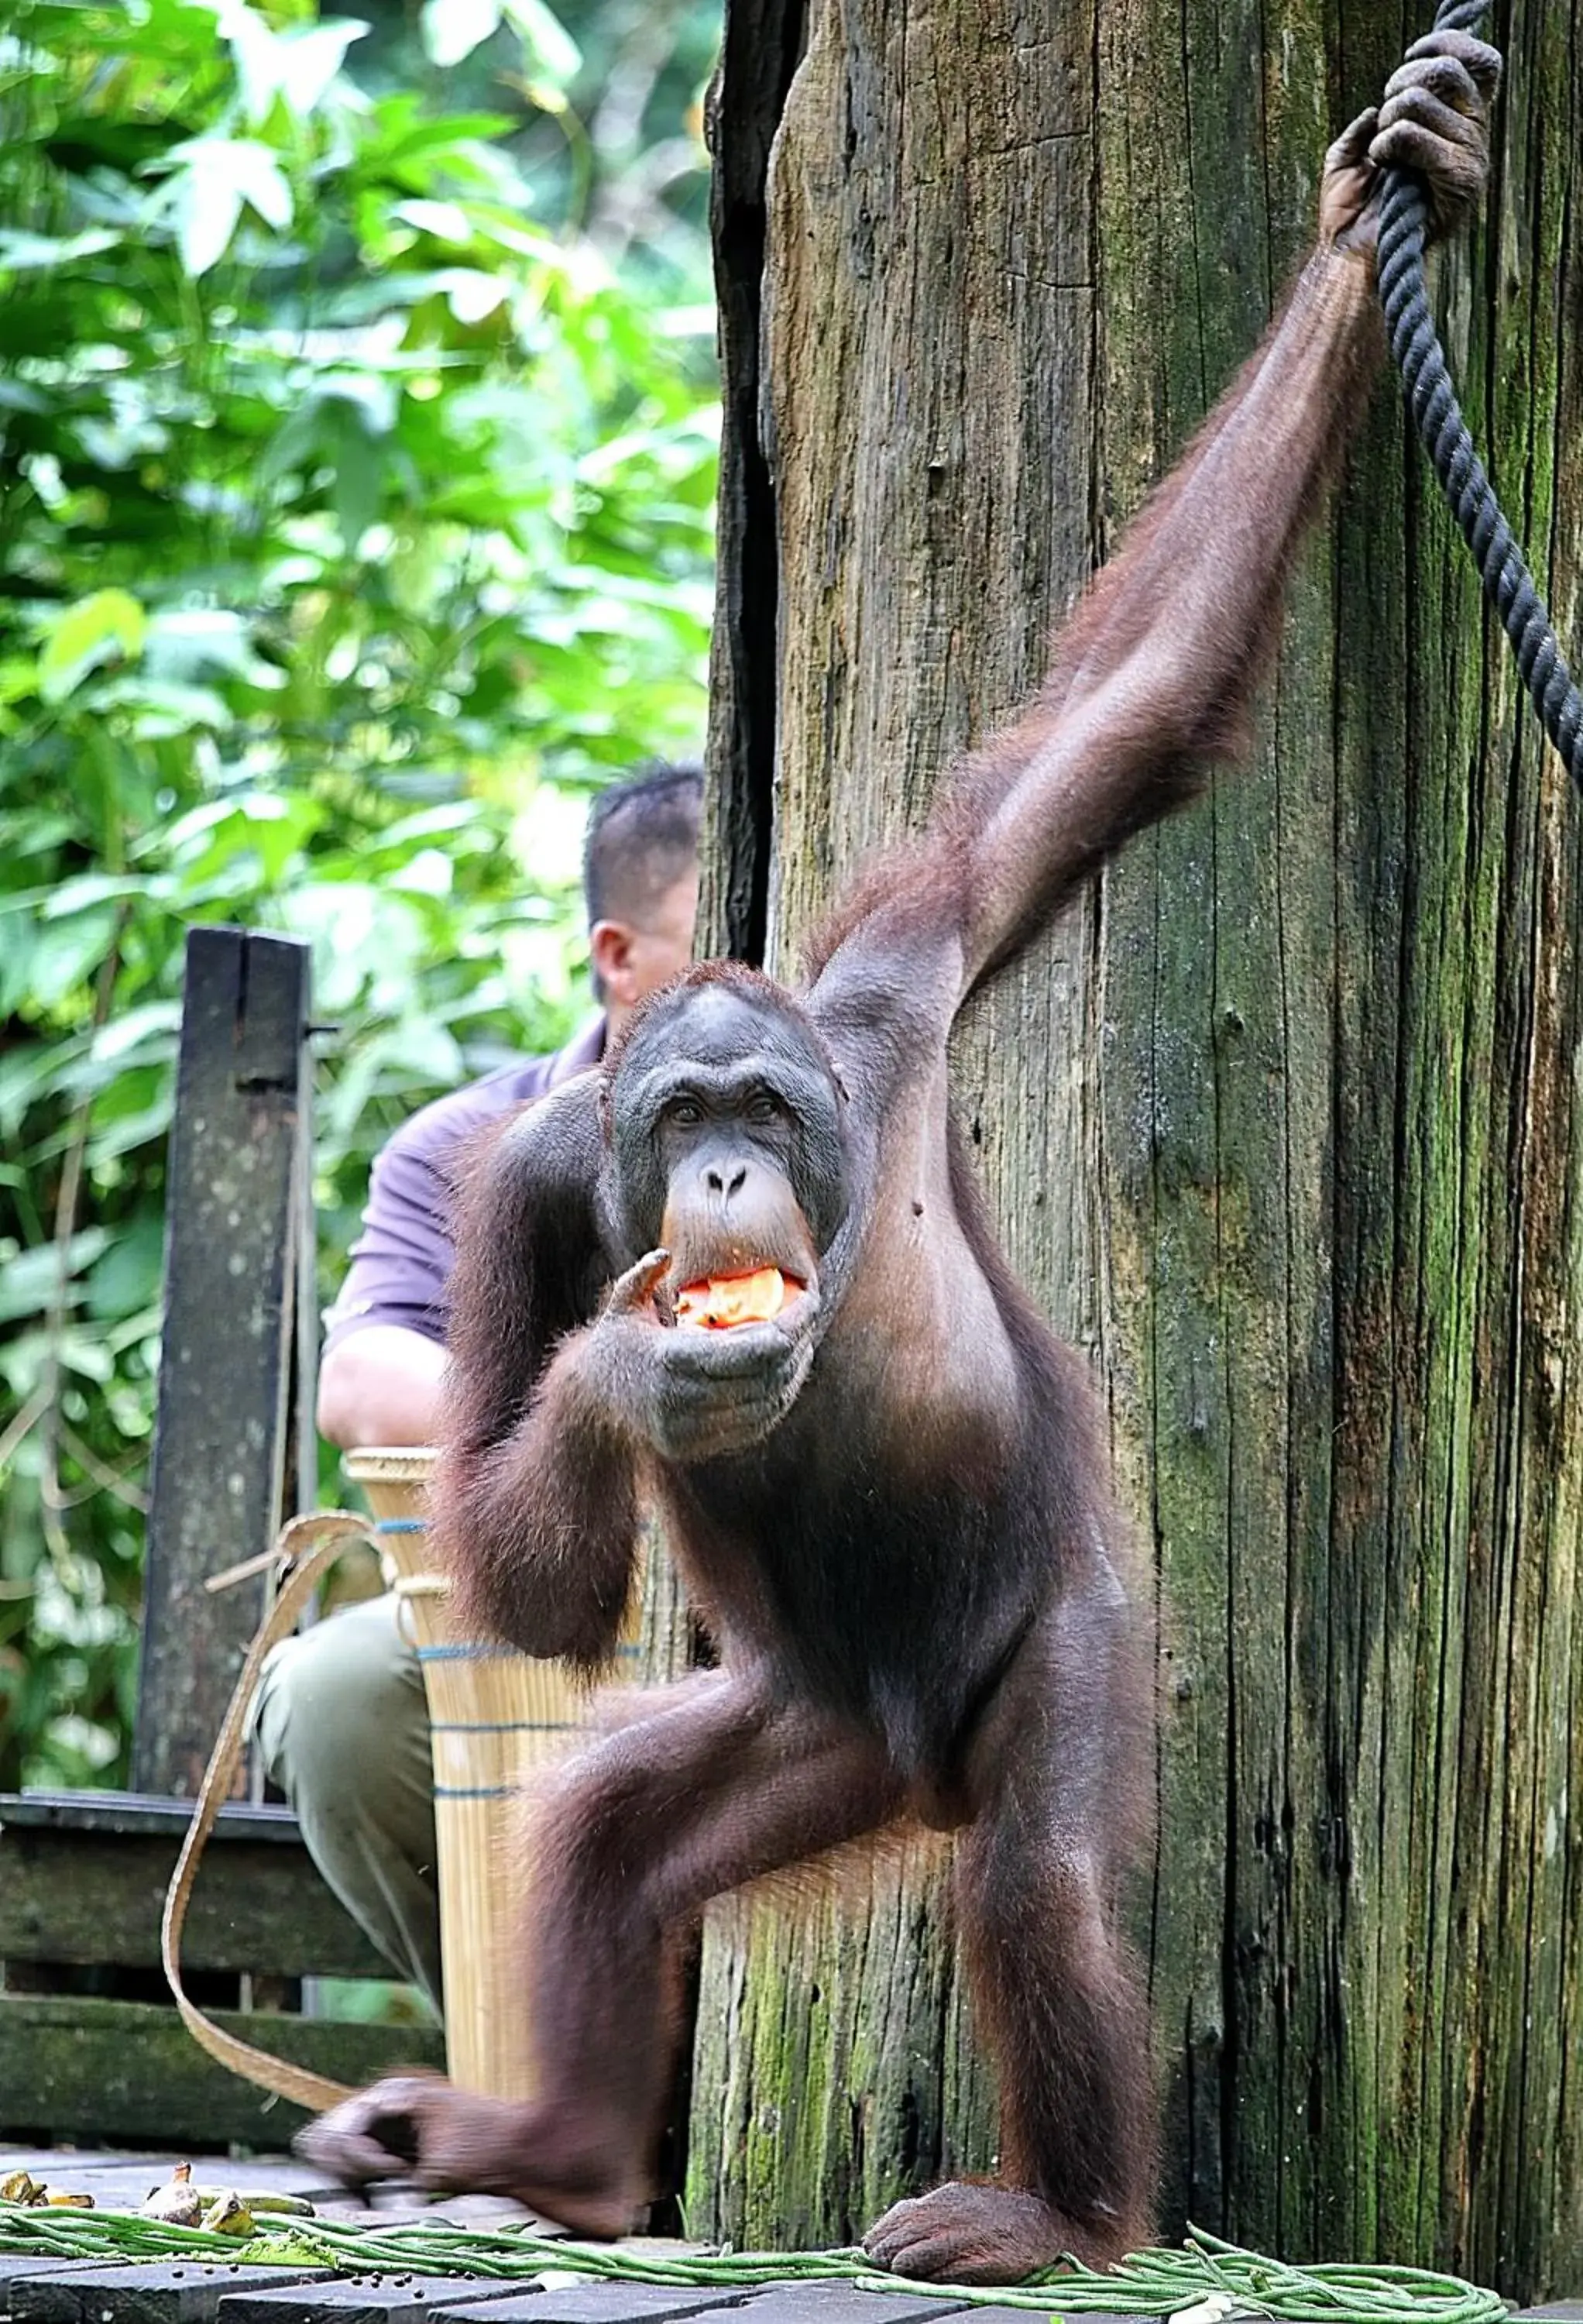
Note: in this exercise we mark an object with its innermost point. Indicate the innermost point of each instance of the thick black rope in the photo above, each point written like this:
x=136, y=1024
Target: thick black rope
x=1421, y=362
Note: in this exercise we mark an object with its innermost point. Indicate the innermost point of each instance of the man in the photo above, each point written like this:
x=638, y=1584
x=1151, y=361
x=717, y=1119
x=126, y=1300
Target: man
x=341, y=1718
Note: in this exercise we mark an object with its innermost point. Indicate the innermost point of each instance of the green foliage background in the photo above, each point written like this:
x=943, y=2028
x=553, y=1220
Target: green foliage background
x=357, y=435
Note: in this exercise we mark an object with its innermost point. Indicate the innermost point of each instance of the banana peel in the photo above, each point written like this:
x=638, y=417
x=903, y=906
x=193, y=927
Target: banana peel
x=179, y=2203
x=290, y=2206
x=21, y=2187
x=176, y=2204
x=229, y=2215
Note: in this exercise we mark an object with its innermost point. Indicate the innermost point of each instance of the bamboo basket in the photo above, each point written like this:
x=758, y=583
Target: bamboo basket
x=495, y=1716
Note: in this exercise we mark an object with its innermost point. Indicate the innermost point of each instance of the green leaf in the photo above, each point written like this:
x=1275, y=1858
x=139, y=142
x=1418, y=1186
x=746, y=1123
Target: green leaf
x=446, y=221
x=297, y=64
x=29, y=1280
x=16, y=964
x=453, y=29
x=303, y=62
x=549, y=47
x=472, y=296
x=24, y=253
x=156, y=1021
x=85, y=894
x=190, y=642
x=160, y=710
x=429, y=872
x=125, y=1279
x=110, y=625
x=65, y=956
x=206, y=208
x=379, y=489
x=213, y=178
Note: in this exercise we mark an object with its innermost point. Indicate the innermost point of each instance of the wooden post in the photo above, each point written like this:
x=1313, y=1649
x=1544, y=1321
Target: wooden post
x=234, y=1274
x=1283, y=1127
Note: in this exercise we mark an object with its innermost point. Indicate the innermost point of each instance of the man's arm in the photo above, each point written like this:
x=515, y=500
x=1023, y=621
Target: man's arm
x=384, y=1357
x=380, y=1385
x=1154, y=676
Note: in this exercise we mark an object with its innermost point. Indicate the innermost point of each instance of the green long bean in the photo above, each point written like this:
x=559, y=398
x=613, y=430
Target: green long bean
x=1154, y=2282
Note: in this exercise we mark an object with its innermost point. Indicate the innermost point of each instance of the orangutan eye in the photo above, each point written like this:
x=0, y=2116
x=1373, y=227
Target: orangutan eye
x=763, y=1107
x=684, y=1112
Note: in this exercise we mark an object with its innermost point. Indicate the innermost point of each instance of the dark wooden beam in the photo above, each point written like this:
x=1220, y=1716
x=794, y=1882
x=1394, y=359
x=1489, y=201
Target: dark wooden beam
x=234, y=1213
x=83, y=1879
x=130, y=2072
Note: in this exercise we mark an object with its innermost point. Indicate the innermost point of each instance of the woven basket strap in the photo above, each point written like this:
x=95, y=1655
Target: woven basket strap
x=308, y=1546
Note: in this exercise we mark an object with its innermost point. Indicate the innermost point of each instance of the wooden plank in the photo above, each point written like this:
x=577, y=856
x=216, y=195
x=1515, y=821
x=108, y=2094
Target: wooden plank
x=301, y=1449
x=96, y=1895
x=126, y=2070
x=1016, y=2316
x=233, y=1206
x=843, y=2303
x=16, y=2268
x=134, y=1813
x=158, y=2292
x=605, y=2303
x=360, y=2299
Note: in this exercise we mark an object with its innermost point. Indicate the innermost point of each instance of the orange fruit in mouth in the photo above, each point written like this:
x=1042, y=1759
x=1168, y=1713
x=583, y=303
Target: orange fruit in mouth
x=721, y=1302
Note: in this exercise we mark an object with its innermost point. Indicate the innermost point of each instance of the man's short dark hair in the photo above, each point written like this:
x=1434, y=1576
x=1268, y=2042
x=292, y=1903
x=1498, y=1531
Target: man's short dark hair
x=642, y=838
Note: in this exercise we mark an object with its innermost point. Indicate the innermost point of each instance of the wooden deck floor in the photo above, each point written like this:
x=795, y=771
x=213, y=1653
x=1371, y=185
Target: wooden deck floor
x=89, y=2292
x=47, y=2291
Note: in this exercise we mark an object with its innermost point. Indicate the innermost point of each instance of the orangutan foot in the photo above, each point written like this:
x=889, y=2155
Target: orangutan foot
x=963, y=2233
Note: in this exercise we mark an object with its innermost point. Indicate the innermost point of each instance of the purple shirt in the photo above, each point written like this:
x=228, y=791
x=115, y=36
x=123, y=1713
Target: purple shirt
x=401, y=1261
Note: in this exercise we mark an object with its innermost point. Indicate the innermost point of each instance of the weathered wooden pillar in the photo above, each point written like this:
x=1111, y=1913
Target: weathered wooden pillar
x=1283, y=1126
x=927, y=330
x=238, y=1267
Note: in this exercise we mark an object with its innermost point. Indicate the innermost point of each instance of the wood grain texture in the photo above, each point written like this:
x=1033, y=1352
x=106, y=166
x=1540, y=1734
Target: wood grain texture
x=74, y=2067
x=915, y=289
x=74, y=1896
x=1283, y=1126
x=234, y=1214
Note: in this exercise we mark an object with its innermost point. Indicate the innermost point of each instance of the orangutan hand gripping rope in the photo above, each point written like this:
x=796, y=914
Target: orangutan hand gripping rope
x=743, y=1270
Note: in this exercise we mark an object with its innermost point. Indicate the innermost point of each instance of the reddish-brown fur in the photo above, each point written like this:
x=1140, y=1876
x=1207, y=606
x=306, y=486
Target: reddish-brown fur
x=890, y=1504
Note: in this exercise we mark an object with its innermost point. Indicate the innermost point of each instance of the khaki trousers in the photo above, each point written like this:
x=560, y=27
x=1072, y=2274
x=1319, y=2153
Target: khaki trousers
x=343, y=1725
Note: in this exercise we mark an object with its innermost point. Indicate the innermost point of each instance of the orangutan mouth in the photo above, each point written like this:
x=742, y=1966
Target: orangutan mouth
x=720, y=1303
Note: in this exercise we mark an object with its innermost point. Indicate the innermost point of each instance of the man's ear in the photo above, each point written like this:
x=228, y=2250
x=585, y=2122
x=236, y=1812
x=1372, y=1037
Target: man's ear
x=610, y=953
